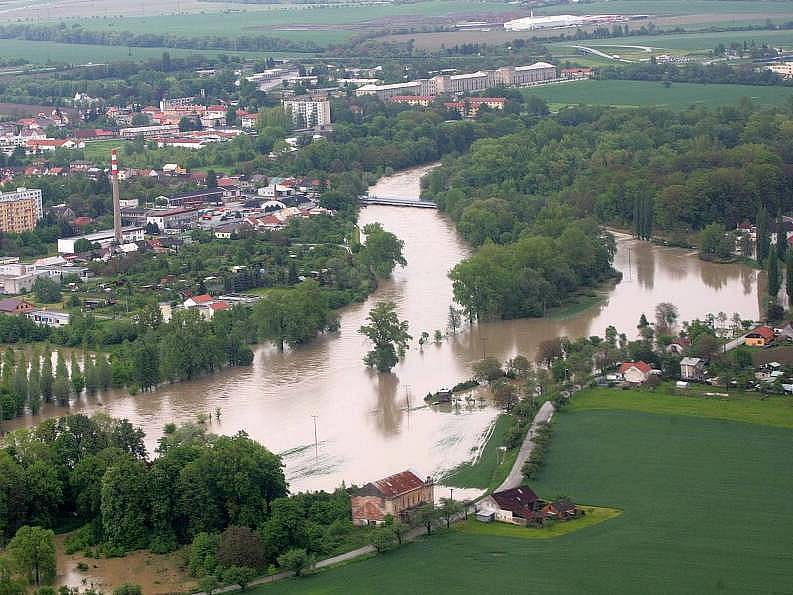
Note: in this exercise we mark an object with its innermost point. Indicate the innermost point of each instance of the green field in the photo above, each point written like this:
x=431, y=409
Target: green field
x=43, y=52
x=490, y=468
x=761, y=8
x=696, y=41
x=643, y=93
x=322, y=25
x=706, y=508
x=744, y=407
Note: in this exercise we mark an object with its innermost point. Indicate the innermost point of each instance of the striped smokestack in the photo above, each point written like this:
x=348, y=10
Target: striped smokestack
x=116, y=198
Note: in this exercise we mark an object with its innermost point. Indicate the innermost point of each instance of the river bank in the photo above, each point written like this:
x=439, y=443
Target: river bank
x=274, y=399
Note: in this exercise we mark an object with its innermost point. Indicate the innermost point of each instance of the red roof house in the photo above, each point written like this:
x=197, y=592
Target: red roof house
x=392, y=496
x=635, y=372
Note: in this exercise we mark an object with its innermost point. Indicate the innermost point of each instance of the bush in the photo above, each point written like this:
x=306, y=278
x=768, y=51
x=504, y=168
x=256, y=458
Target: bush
x=383, y=539
x=128, y=589
x=240, y=546
x=296, y=560
x=239, y=575
x=80, y=540
x=203, y=558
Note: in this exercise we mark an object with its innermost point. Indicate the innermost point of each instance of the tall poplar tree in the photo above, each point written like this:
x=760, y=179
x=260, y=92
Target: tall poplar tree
x=763, y=235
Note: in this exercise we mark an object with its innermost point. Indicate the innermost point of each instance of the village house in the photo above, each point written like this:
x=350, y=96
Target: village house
x=692, y=369
x=635, y=372
x=392, y=496
x=13, y=306
x=521, y=506
x=760, y=336
x=206, y=305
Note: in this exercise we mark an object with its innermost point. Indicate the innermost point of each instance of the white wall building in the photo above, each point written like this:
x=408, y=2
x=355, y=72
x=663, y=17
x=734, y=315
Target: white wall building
x=103, y=238
x=307, y=112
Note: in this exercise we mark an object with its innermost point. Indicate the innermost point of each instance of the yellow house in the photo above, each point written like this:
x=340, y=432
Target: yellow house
x=760, y=337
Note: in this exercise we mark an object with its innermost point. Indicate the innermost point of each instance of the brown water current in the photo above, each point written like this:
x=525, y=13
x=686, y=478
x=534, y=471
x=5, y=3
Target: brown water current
x=370, y=425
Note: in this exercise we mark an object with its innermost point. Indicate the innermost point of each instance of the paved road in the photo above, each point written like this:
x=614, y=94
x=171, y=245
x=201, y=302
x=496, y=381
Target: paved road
x=515, y=477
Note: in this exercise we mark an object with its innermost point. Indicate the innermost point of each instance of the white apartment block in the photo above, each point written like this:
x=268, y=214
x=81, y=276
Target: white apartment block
x=308, y=112
x=507, y=76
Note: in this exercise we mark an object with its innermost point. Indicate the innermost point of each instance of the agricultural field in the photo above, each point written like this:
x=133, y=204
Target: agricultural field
x=705, y=507
x=645, y=93
x=322, y=25
x=50, y=52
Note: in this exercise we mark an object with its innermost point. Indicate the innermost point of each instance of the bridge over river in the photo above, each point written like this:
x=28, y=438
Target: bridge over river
x=393, y=201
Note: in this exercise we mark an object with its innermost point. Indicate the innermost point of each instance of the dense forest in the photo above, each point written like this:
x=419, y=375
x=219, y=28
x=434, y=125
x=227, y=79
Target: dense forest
x=674, y=172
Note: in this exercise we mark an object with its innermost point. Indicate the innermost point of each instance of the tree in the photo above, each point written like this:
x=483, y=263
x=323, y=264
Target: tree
x=666, y=315
x=240, y=546
x=455, y=319
x=104, y=371
x=488, y=369
x=425, y=515
x=715, y=243
x=399, y=529
x=46, y=376
x=789, y=276
x=19, y=384
x=449, y=509
x=91, y=375
x=60, y=386
x=519, y=365
x=34, y=383
x=773, y=278
x=32, y=550
x=77, y=378
x=763, y=235
x=388, y=334
x=296, y=559
x=239, y=575
x=212, y=179
x=46, y=290
x=781, y=238
x=125, y=505
x=382, y=251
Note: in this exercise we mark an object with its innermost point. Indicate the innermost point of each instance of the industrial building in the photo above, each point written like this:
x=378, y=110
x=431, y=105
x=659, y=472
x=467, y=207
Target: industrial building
x=148, y=131
x=20, y=210
x=506, y=76
x=104, y=238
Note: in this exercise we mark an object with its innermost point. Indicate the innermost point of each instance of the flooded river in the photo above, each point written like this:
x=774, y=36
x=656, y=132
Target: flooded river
x=370, y=425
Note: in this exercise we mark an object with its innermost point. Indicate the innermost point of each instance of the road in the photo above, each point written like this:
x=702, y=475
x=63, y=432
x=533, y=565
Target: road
x=515, y=477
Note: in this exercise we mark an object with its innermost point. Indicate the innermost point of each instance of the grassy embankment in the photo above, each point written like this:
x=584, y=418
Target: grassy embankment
x=490, y=467
x=705, y=507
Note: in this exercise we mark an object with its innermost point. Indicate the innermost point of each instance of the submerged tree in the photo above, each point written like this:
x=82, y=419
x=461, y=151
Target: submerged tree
x=388, y=334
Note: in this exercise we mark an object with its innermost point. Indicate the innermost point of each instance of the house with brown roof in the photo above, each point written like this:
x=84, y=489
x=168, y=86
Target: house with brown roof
x=760, y=337
x=518, y=506
x=635, y=372
x=392, y=496
x=14, y=306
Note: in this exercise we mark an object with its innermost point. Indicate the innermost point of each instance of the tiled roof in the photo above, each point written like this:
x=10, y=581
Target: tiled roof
x=399, y=483
x=641, y=366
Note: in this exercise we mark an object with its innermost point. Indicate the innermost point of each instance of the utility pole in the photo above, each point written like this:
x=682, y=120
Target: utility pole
x=451, y=493
x=316, y=444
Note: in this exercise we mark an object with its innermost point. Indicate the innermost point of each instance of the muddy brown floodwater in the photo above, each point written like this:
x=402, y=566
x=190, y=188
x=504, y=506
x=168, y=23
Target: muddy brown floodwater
x=370, y=425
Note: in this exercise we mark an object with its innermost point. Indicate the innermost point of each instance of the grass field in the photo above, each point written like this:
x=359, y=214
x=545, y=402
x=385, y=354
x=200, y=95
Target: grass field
x=706, y=508
x=324, y=24
x=100, y=149
x=743, y=407
x=667, y=7
x=643, y=93
x=43, y=52
x=490, y=467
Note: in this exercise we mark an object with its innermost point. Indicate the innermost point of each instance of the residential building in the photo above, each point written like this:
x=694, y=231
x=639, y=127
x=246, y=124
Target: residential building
x=392, y=496
x=517, y=506
x=233, y=229
x=783, y=69
x=11, y=306
x=507, y=76
x=206, y=305
x=635, y=372
x=420, y=100
x=308, y=112
x=759, y=337
x=148, y=131
x=103, y=238
x=197, y=198
x=692, y=368
x=20, y=210
x=49, y=317
x=18, y=278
